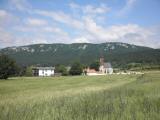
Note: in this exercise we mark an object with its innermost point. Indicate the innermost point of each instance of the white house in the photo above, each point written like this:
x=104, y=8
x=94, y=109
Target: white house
x=43, y=71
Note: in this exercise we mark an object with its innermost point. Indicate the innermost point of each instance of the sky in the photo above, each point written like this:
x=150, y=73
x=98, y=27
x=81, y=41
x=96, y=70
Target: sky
x=24, y=22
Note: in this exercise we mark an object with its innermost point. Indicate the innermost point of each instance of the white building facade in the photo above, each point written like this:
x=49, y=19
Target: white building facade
x=43, y=71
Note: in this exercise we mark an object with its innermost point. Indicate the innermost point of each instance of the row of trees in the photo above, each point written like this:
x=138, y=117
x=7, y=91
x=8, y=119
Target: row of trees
x=8, y=67
x=76, y=69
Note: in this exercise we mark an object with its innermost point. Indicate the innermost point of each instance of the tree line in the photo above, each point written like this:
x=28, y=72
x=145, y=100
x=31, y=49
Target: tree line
x=9, y=68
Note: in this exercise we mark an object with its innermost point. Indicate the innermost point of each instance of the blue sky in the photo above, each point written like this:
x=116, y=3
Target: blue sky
x=24, y=22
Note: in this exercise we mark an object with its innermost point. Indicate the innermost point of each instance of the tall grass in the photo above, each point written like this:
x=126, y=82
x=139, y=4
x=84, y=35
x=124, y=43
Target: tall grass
x=136, y=100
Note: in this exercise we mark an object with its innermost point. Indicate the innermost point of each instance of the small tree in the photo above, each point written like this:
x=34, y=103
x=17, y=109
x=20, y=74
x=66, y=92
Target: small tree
x=28, y=71
x=76, y=69
x=8, y=66
x=61, y=69
x=95, y=65
x=22, y=70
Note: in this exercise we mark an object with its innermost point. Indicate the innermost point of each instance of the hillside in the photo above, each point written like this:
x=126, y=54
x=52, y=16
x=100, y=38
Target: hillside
x=119, y=54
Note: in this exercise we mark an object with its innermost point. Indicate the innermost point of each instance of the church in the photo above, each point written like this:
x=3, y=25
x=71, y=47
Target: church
x=104, y=69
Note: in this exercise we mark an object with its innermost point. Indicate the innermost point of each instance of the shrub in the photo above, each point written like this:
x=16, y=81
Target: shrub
x=8, y=66
x=76, y=69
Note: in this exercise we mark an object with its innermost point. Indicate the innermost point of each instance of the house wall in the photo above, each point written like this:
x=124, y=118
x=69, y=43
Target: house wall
x=109, y=70
x=105, y=70
x=101, y=69
x=46, y=72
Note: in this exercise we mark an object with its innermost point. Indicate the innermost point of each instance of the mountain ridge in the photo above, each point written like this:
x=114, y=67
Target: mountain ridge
x=77, y=43
x=51, y=54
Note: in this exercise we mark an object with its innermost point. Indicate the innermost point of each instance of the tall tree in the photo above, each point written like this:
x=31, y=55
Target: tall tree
x=95, y=65
x=76, y=69
x=8, y=66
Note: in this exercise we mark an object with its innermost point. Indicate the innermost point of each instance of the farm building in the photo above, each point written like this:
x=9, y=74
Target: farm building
x=43, y=71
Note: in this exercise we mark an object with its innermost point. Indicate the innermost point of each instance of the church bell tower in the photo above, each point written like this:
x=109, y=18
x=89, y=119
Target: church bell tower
x=101, y=60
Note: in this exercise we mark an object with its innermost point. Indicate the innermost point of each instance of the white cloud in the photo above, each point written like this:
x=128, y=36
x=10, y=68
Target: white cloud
x=61, y=17
x=22, y=5
x=33, y=35
x=85, y=24
x=9, y=39
x=69, y=20
x=47, y=29
x=130, y=33
x=6, y=18
x=38, y=39
x=36, y=22
x=90, y=9
x=55, y=30
x=127, y=7
x=80, y=40
x=74, y=5
x=3, y=13
x=6, y=38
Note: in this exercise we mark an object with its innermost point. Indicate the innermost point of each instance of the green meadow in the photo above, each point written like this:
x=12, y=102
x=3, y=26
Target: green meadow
x=112, y=97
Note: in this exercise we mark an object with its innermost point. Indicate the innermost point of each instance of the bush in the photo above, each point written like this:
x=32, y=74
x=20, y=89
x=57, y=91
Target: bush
x=61, y=69
x=95, y=65
x=28, y=71
x=8, y=66
x=76, y=69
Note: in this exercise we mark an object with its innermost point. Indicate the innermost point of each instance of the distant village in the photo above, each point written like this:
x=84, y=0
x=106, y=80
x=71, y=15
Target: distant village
x=105, y=68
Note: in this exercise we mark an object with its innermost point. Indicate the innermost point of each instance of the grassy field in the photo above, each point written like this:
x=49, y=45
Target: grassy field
x=112, y=97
